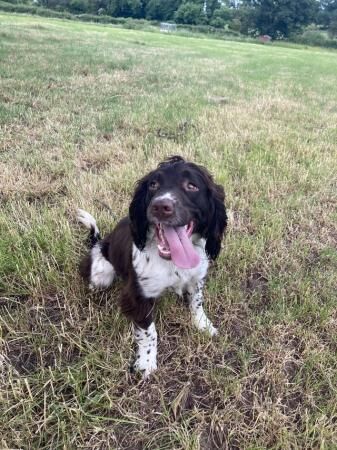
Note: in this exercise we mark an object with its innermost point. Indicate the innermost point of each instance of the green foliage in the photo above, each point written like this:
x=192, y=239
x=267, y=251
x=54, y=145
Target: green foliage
x=315, y=36
x=28, y=9
x=327, y=16
x=78, y=6
x=154, y=10
x=159, y=10
x=224, y=13
x=244, y=20
x=125, y=8
x=211, y=7
x=190, y=13
x=332, y=27
x=15, y=2
x=280, y=18
x=45, y=12
x=222, y=17
x=217, y=22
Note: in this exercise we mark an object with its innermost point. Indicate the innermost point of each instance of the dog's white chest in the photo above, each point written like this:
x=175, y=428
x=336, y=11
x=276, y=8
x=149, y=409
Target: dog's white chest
x=156, y=274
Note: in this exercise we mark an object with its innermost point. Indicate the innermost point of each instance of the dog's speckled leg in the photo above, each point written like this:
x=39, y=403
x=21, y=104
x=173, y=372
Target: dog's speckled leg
x=195, y=300
x=146, y=355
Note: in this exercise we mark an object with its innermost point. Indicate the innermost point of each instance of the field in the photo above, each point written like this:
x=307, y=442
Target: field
x=85, y=110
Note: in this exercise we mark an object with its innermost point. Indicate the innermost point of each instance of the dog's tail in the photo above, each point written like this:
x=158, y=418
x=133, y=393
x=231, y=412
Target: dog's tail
x=89, y=222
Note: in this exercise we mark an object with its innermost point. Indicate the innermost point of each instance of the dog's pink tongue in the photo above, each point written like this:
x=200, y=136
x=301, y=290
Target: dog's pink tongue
x=182, y=251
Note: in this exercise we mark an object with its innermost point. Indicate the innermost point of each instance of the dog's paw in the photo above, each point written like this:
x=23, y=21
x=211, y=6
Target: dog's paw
x=145, y=364
x=206, y=326
x=211, y=330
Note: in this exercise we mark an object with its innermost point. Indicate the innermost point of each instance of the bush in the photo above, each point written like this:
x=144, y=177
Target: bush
x=45, y=12
x=314, y=36
x=218, y=22
x=332, y=27
x=189, y=13
x=15, y=2
x=98, y=19
x=123, y=21
x=35, y=10
x=12, y=7
x=224, y=13
x=198, y=28
x=77, y=6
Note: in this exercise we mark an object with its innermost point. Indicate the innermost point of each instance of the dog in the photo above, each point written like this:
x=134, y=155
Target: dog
x=176, y=222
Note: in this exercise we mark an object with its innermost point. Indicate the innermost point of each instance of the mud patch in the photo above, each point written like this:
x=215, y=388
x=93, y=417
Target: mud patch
x=241, y=222
x=8, y=304
x=256, y=287
x=33, y=340
x=47, y=196
x=179, y=133
x=39, y=195
x=95, y=166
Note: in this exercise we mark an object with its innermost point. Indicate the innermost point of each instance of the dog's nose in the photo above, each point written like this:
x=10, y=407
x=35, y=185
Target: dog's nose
x=162, y=208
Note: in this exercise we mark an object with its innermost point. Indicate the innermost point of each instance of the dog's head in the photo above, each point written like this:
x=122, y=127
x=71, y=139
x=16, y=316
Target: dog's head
x=179, y=199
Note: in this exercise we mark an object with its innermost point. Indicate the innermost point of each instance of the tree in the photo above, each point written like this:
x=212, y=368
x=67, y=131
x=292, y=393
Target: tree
x=190, y=13
x=125, y=8
x=211, y=6
x=223, y=17
x=283, y=17
x=161, y=10
x=154, y=10
x=78, y=6
x=328, y=16
x=224, y=13
x=332, y=27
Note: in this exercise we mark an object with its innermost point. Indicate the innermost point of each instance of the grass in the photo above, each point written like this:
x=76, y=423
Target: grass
x=86, y=110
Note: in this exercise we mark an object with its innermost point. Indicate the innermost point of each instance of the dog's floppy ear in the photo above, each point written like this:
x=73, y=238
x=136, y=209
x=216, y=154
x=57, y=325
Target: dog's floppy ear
x=218, y=221
x=137, y=214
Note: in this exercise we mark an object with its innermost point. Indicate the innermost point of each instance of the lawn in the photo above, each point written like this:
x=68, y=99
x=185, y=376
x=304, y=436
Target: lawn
x=85, y=110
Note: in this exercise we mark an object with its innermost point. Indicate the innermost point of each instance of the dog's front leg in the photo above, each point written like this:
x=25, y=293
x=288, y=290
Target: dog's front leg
x=146, y=353
x=140, y=310
x=195, y=300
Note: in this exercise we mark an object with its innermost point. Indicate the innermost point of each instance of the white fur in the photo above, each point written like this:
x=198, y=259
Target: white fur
x=168, y=196
x=199, y=318
x=156, y=274
x=146, y=356
x=102, y=271
x=87, y=220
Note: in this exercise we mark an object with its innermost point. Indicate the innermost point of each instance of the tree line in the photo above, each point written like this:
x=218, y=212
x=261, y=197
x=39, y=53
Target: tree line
x=277, y=18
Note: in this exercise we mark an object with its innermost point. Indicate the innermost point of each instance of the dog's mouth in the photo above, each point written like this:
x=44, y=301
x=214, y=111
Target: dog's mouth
x=175, y=243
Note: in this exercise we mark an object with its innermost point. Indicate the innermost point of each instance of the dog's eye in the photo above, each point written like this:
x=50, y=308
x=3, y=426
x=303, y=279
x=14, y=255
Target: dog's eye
x=154, y=185
x=190, y=186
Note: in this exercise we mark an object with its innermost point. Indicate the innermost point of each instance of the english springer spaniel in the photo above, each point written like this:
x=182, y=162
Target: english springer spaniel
x=176, y=222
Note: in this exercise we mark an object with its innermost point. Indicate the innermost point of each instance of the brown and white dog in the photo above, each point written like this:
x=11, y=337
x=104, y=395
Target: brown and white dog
x=176, y=222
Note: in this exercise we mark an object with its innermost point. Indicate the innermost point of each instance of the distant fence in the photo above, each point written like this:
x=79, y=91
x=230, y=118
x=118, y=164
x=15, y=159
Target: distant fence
x=168, y=27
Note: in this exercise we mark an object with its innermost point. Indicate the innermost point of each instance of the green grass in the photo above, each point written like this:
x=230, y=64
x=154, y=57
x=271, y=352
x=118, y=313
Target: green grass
x=85, y=110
